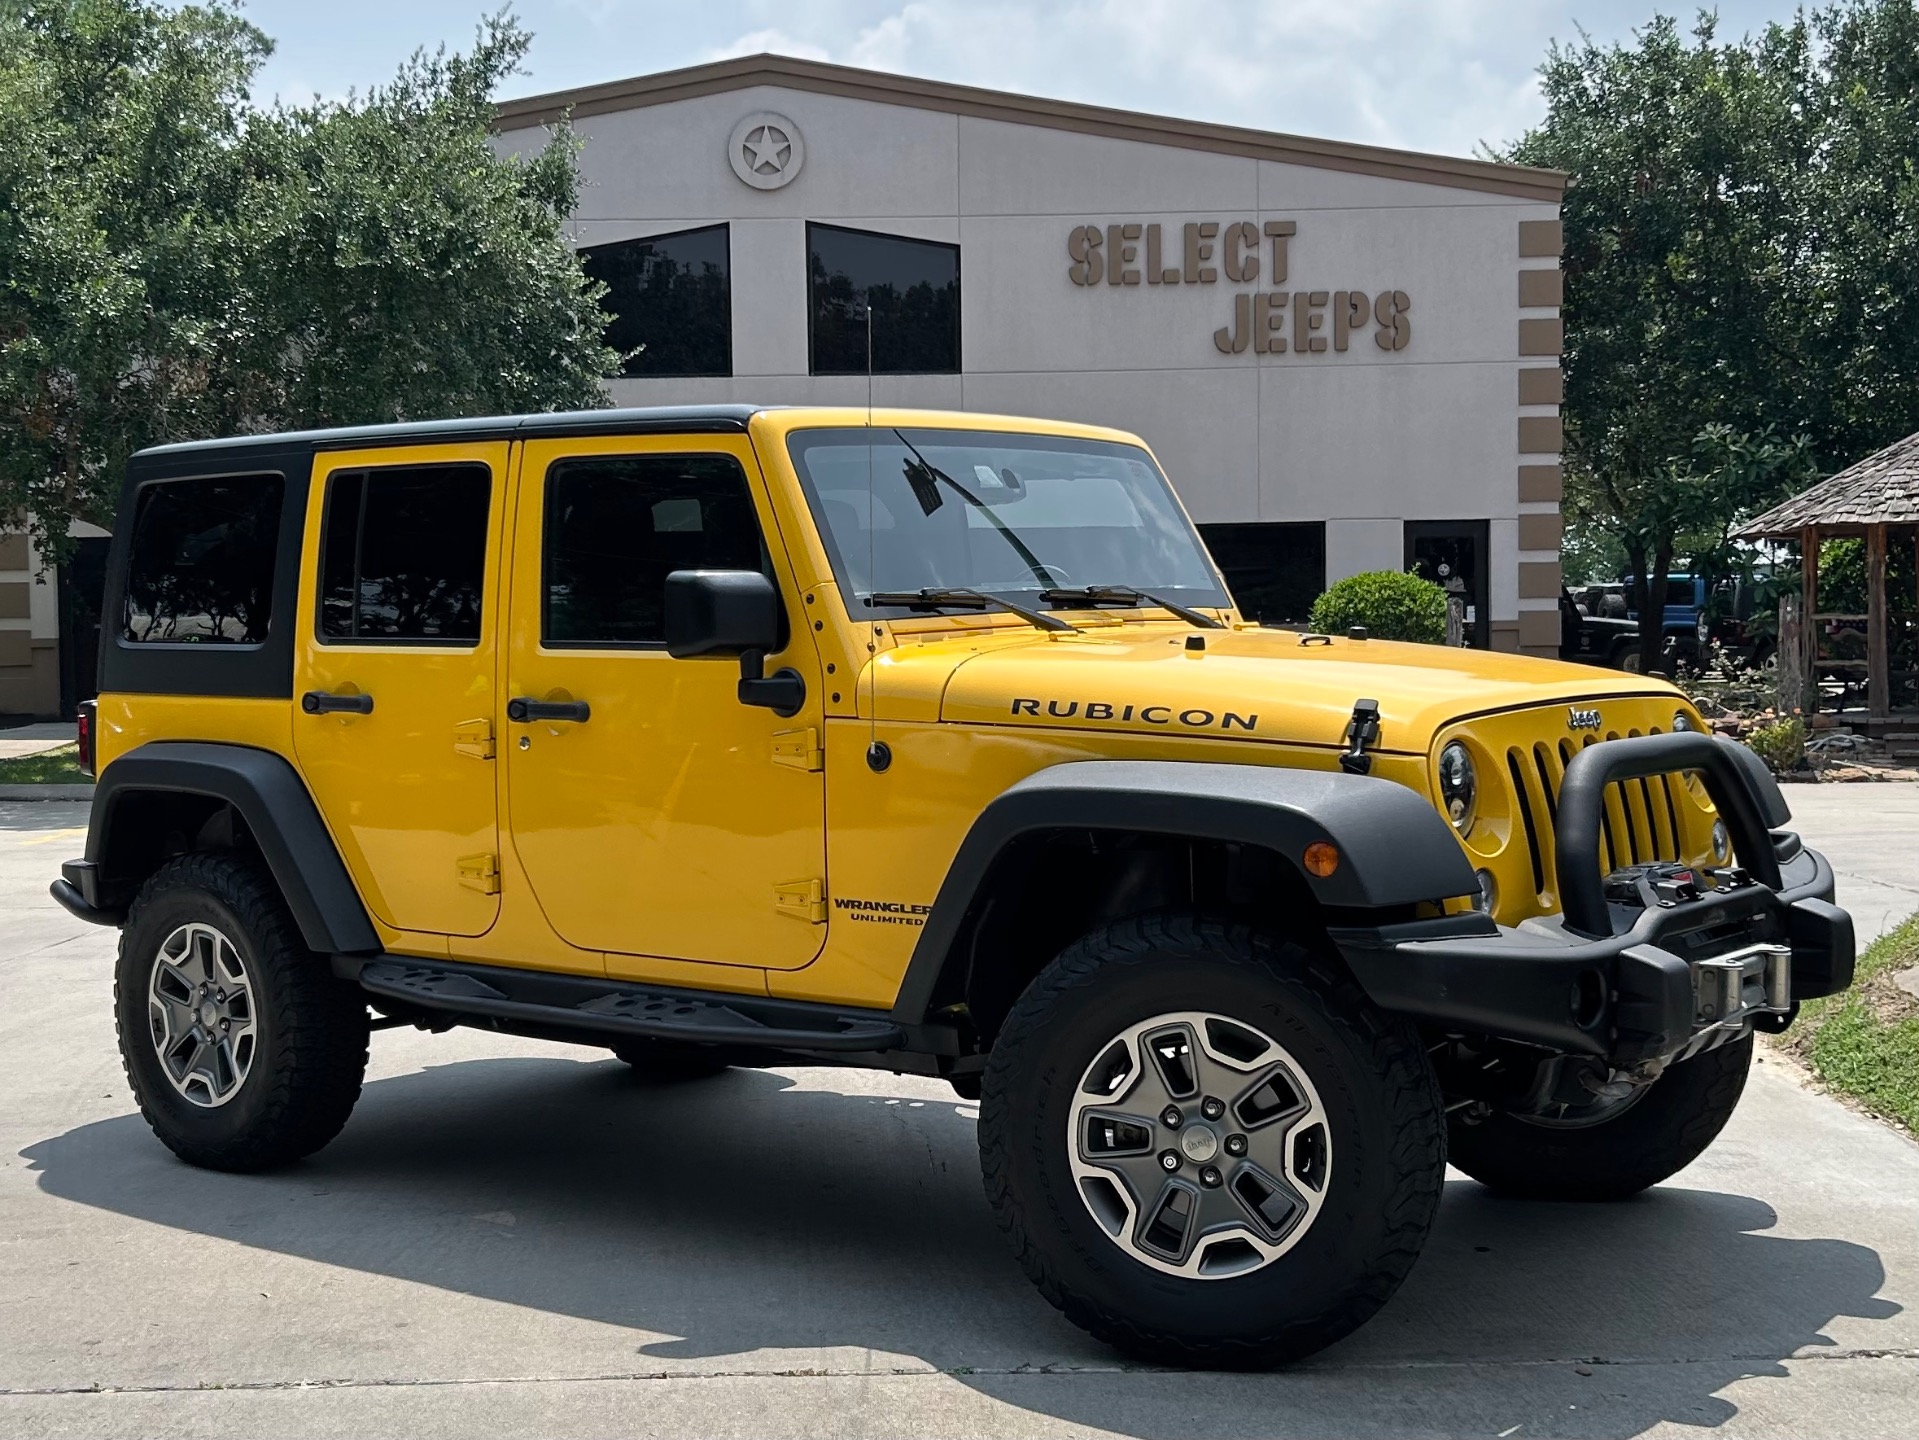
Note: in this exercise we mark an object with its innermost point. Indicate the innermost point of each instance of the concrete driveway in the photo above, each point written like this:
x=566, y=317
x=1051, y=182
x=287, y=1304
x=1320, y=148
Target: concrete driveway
x=1870, y=832
x=514, y=1238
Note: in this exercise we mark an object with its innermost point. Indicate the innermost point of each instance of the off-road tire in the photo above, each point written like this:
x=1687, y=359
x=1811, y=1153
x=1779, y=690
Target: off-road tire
x=311, y=1050
x=1663, y=1132
x=1382, y=1103
x=669, y=1060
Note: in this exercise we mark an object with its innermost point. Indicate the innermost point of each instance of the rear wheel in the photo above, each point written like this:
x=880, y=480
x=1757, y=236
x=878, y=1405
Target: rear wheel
x=1206, y=1145
x=243, y=1050
x=1609, y=1151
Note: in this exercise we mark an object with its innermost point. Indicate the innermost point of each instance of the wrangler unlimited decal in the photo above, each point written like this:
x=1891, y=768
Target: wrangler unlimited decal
x=1193, y=719
x=882, y=912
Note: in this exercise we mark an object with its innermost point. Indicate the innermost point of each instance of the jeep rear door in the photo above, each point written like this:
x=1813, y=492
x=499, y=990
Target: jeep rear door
x=657, y=818
x=394, y=675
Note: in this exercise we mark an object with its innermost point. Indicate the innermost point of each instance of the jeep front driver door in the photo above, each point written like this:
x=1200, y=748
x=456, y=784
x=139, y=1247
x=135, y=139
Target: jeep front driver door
x=657, y=818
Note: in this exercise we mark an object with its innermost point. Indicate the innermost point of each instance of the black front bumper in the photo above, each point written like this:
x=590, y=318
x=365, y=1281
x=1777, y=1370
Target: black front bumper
x=78, y=889
x=1624, y=983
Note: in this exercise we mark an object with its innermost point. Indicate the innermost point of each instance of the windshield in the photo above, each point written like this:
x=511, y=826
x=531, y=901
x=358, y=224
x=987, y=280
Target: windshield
x=998, y=513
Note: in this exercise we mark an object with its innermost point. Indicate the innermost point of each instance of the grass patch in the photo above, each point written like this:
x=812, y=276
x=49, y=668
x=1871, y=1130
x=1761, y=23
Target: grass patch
x=1865, y=1043
x=49, y=767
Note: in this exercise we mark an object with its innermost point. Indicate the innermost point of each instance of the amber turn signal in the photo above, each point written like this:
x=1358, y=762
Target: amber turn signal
x=1321, y=859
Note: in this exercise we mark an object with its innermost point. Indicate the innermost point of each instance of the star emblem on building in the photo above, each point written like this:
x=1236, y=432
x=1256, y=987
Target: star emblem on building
x=767, y=149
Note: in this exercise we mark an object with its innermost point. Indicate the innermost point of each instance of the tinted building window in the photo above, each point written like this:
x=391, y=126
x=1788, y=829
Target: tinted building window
x=1275, y=571
x=670, y=298
x=200, y=566
x=913, y=287
x=618, y=525
x=404, y=558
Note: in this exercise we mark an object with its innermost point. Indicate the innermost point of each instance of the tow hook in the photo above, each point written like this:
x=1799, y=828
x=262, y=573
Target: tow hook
x=1361, y=731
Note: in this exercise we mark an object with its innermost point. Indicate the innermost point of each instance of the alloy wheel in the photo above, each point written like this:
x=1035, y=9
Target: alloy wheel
x=1199, y=1145
x=201, y=1014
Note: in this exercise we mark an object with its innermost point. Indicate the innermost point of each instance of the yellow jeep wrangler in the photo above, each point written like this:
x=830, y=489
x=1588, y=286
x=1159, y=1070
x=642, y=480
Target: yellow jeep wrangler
x=931, y=743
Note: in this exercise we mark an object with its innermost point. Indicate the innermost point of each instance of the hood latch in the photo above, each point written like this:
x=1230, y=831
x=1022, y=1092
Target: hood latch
x=1362, y=730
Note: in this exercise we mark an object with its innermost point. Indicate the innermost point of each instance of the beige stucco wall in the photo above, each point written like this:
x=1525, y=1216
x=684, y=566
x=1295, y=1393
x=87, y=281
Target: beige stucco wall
x=1363, y=439
x=29, y=631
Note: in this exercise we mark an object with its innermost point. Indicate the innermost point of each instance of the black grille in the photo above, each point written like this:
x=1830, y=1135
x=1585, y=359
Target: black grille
x=1641, y=822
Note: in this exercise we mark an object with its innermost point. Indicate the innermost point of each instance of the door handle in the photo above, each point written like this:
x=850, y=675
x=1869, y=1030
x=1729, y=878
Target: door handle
x=522, y=708
x=319, y=702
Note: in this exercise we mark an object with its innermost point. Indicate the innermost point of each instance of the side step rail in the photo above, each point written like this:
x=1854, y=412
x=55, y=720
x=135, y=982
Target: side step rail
x=585, y=1002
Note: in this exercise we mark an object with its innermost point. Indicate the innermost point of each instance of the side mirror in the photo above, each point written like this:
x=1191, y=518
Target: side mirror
x=720, y=612
x=732, y=612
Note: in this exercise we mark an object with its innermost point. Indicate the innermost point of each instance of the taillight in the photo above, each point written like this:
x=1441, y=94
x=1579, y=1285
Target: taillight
x=83, y=733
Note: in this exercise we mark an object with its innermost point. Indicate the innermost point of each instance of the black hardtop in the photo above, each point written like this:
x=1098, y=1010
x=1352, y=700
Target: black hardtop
x=693, y=419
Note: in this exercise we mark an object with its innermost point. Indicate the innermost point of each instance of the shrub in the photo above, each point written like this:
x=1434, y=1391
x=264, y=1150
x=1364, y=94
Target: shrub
x=1782, y=744
x=1391, y=605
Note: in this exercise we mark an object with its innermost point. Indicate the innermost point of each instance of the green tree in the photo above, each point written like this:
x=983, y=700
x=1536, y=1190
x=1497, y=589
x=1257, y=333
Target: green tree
x=1741, y=234
x=174, y=263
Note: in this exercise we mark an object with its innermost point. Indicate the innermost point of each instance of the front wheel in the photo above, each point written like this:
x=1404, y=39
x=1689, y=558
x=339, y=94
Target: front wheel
x=243, y=1051
x=1609, y=1151
x=1206, y=1145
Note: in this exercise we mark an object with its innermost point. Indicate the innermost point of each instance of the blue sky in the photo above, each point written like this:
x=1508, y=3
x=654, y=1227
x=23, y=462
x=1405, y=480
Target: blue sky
x=1438, y=75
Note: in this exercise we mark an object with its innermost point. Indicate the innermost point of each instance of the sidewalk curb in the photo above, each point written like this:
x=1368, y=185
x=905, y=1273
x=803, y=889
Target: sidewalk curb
x=46, y=792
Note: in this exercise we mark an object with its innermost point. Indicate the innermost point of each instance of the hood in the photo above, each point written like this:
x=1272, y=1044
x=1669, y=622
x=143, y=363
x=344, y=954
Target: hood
x=1252, y=684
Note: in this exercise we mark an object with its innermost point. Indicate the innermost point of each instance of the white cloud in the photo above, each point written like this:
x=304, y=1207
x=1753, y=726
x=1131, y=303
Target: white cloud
x=1440, y=75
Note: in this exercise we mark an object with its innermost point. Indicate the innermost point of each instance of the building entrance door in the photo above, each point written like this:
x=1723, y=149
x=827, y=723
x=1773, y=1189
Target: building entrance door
x=1453, y=554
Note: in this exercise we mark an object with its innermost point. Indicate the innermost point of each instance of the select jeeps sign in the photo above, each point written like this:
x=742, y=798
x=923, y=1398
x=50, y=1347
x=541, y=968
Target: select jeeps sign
x=1267, y=321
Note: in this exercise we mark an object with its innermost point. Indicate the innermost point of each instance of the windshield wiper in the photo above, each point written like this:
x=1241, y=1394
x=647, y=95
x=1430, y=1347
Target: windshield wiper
x=935, y=597
x=924, y=476
x=1127, y=595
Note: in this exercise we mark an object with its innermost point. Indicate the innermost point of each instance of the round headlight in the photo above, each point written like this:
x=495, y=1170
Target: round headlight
x=1458, y=785
x=1721, y=842
x=1682, y=721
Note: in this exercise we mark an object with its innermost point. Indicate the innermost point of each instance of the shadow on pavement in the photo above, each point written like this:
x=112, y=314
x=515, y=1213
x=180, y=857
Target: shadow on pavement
x=746, y=1214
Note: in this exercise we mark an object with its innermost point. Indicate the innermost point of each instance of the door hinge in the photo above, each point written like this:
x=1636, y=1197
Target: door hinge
x=479, y=872
x=798, y=749
x=474, y=738
x=802, y=899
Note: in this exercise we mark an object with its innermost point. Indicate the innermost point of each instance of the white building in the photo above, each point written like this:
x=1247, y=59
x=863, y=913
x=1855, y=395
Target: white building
x=1346, y=357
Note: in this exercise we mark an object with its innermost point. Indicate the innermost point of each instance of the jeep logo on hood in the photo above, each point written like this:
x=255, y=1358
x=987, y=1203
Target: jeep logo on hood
x=1578, y=719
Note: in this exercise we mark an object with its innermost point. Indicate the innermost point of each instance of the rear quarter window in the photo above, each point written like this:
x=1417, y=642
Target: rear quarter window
x=200, y=563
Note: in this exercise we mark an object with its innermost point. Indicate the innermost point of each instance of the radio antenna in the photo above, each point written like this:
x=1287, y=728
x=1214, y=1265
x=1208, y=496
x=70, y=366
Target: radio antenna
x=878, y=756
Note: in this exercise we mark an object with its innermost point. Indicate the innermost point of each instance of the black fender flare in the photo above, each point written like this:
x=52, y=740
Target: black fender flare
x=1395, y=850
x=279, y=812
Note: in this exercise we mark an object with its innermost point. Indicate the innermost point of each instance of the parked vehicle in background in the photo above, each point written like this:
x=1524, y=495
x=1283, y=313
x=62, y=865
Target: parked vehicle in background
x=1685, y=595
x=1606, y=599
x=1596, y=639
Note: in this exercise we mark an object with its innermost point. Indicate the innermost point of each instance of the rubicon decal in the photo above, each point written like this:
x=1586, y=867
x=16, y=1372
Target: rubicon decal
x=1191, y=717
x=882, y=912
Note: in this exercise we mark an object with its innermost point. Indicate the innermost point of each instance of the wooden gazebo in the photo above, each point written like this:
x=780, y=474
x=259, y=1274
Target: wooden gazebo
x=1877, y=500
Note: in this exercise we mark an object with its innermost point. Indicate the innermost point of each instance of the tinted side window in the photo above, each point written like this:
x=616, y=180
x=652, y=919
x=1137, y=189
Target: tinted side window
x=618, y=525
x=670, y=298
x=200, y=564
x=913, y=287
x=404, y=554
